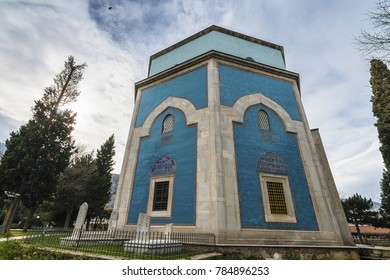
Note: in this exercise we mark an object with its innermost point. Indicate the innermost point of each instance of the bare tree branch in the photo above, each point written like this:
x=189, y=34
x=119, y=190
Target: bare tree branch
x=376, y=44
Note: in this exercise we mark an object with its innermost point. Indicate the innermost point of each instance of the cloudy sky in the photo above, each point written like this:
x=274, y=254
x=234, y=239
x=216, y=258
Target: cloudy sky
x=37, y=36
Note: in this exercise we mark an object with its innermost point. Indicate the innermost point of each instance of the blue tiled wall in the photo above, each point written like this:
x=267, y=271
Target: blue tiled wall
x=236, y=83
x=191, y=86
x=183, y=150
x=248, y=148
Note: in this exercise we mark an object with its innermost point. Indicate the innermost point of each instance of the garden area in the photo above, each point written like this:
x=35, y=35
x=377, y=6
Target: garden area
x=64, y=244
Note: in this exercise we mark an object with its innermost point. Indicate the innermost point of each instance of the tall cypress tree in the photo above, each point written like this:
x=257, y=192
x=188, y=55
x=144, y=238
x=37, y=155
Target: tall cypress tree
x=385, y=200
x=40, y=150
x=380, y=83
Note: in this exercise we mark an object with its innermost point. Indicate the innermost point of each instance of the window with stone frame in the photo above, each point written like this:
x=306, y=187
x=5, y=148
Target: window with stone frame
x=275, y=189
x=161, y=187
x=160, y=196
x=277, y=198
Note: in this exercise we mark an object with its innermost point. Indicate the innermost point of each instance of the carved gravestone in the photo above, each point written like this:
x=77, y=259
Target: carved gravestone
x=81, y=216
x=80, y=219
x=143, y=226
x=168, y=229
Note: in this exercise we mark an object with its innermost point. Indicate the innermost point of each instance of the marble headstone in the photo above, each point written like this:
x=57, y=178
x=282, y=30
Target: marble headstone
x=81, y=216
x=143, y=225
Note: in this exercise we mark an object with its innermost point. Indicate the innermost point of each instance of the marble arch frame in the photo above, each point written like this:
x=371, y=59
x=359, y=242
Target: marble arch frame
x=242, y=104
x=182, y=104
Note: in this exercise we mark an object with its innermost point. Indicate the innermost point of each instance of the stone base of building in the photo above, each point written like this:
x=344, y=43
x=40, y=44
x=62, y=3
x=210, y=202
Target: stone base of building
x=368, y=252
x=237, y=252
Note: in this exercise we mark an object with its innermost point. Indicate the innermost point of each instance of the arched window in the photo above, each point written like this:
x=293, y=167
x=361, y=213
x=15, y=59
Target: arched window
x=168, y=123
x=263, y=120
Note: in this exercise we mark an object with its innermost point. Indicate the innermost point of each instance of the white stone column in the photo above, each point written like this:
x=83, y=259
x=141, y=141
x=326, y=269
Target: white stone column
x=118, y=219
x=233, y=222
x=217, y=190
x=203, y=185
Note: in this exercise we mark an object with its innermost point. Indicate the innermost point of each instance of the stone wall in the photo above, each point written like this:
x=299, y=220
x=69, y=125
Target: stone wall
x=281, y=253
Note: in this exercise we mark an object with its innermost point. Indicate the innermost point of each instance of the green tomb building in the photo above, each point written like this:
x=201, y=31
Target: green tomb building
x=219, y=143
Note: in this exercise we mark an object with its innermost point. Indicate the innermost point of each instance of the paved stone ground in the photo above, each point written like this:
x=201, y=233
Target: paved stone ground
x=12, y=238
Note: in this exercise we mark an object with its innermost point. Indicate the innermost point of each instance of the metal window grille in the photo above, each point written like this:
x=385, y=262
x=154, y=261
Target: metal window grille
x=160, y=197
x=263, y=120
x=168, y=124
x=276, y=198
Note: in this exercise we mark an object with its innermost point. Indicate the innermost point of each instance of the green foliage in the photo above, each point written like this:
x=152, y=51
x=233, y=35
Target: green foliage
x=99, y=192
x=72, y=186
x=380, y=83
x=87, y=179
x=10, y=250
x=384, y=220
x=292, y=255
x=40, y=150
x=63, y=92
x=15, y=250
x=358, y=210
x=105, y=157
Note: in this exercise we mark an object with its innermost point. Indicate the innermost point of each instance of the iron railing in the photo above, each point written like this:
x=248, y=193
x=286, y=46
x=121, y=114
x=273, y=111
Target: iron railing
x=124, y=244
x=372, y=239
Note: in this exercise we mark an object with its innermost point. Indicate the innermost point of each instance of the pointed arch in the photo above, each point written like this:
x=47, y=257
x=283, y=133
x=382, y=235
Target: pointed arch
x=182, y=104
x=243, y=103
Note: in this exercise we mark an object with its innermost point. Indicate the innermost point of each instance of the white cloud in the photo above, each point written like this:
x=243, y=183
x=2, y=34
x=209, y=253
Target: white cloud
x=42, y=36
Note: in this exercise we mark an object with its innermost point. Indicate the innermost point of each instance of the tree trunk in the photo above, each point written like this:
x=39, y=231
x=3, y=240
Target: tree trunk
x=27, y=223
x=68, y=216
x=9, y=217
x=359, y=234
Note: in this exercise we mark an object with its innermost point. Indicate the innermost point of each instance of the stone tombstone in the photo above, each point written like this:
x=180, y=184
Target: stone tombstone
x=168, y=229
x=143, y=225
x=81, y=216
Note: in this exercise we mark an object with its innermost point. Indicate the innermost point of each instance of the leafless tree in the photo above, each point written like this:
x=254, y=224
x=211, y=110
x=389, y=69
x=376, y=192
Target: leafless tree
x=376, y=43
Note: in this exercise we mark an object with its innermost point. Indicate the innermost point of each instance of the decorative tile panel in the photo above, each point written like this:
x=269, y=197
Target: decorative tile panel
x=271, y=163
x=164, y=165
x=166, y=140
